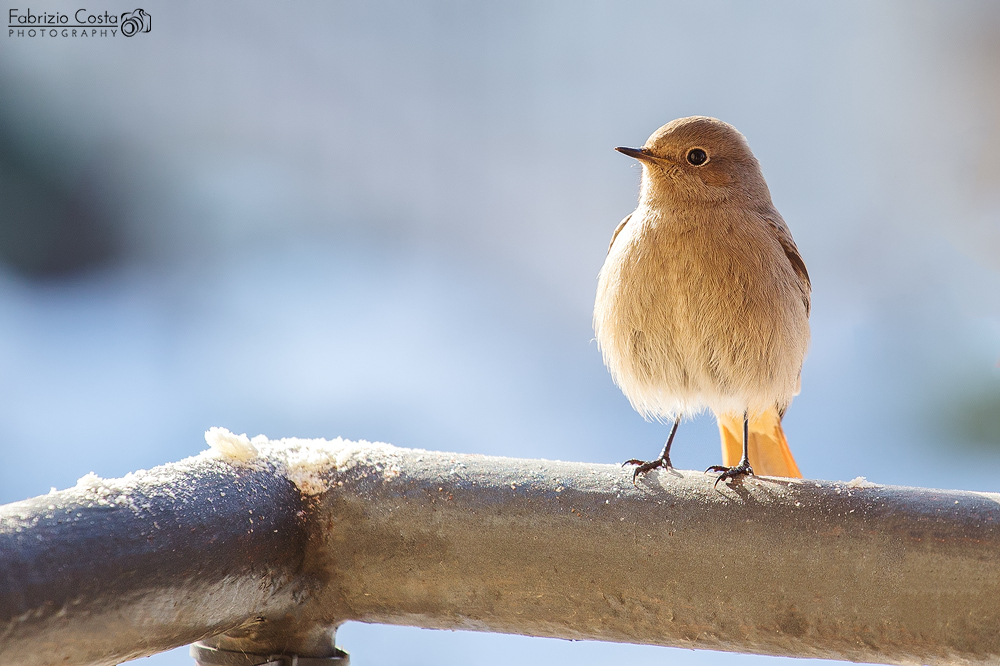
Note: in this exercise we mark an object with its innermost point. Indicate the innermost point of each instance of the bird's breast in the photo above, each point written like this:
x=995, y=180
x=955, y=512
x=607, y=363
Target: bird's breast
x=698, y=306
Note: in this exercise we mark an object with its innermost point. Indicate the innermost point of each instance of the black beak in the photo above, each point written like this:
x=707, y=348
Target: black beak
x=637, y=153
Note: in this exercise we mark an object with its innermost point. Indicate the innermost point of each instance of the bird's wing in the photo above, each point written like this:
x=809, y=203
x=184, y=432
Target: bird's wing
x=618, y=229
x=784, y=237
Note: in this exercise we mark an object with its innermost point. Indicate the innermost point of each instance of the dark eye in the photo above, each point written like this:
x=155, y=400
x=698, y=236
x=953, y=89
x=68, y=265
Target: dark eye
x=697, y=156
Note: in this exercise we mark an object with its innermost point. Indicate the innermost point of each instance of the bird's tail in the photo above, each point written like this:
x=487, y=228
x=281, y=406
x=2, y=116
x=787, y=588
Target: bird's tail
x=768, y=448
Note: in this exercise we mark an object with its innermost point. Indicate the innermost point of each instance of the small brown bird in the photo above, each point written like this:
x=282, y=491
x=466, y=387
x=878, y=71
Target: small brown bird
x=703, y=300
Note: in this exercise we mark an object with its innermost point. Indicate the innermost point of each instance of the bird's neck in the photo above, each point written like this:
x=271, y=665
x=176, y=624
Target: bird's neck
x=657, y=198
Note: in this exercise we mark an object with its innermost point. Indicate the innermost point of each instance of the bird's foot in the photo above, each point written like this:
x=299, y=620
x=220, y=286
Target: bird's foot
x=743, y=469
x=647, y=465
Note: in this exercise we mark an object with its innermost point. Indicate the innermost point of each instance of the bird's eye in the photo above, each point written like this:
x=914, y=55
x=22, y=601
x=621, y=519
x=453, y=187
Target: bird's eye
x=697, y=156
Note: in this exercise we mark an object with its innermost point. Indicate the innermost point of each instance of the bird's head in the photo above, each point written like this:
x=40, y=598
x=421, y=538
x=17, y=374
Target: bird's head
x=699, y=159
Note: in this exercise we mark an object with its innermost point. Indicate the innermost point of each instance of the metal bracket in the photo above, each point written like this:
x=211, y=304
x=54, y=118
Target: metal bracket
x=205, y=655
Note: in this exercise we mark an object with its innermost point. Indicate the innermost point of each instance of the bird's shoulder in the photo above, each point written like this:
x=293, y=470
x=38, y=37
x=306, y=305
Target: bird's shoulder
x=618, y=230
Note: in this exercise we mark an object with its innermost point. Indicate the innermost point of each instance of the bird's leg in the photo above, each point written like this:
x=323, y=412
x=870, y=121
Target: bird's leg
x=663, y=461
x=743, y=467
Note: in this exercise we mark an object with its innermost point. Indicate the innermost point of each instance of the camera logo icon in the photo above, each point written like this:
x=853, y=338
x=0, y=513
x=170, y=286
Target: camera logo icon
x=135, y=22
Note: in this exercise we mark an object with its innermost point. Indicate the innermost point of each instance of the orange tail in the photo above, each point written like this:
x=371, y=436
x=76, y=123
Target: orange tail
x=769, y=452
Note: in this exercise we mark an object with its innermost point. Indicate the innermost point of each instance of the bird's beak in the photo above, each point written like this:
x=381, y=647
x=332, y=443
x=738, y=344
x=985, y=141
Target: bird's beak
x=640, y=154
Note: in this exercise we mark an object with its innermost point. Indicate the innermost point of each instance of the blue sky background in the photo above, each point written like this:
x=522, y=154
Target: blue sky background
x=385, y=221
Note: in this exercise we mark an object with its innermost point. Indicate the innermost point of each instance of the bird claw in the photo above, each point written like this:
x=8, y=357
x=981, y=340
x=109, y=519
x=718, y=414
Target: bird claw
x=647, y=465
x=743, y=469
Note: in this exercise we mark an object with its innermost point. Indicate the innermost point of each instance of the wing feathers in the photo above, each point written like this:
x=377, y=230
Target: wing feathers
x=618, y=229
x=784, y=237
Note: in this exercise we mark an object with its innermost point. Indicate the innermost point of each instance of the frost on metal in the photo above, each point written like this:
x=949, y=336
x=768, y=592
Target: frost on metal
x=861, y=482
x=311, y=464
x=104, y=492
x=236, y=449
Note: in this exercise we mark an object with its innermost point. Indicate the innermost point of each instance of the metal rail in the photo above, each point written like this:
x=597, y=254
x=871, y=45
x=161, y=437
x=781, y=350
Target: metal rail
x=113, y=570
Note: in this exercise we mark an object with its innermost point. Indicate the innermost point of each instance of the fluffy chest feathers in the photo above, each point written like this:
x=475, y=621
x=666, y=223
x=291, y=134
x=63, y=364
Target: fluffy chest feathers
x=701, y=310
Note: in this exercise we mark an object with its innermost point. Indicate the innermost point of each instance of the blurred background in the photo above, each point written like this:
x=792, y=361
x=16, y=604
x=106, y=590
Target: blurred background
x=385, y=221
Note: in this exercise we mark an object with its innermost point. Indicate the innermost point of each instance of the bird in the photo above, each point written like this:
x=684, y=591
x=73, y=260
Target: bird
x=703, y=300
